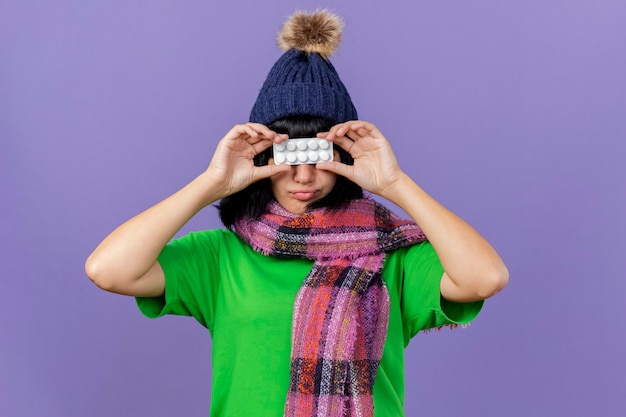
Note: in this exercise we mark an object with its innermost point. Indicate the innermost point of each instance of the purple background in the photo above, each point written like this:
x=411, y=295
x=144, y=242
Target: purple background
x=512, y=114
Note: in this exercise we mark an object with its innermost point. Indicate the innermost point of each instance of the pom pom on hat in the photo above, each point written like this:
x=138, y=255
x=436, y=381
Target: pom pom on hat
x=318, y=32
x=303, y=81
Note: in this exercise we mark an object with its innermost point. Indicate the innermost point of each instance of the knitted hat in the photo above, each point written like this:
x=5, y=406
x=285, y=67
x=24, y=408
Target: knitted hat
x=303, y=81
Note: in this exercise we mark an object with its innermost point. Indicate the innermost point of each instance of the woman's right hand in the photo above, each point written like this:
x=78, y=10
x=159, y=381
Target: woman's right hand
x=232, y=167
x=125, y=262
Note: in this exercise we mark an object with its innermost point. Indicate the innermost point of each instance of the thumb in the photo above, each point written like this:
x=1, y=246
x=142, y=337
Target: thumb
x=270, y=170
x=338, y=168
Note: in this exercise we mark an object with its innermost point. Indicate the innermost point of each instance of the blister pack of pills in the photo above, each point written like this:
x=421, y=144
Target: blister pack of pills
x=303, y=151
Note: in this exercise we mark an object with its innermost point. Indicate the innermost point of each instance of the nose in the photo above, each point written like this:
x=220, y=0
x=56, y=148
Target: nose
x=304, y=173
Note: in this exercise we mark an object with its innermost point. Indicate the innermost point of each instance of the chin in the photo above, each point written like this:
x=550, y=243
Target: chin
x=299, y=207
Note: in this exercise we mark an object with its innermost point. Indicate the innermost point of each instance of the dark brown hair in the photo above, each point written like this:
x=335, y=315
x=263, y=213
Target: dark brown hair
x=252, y=200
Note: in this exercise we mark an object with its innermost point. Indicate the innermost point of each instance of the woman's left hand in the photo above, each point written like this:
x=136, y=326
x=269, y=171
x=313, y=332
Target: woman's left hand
x=375, y=167
x=473, y=269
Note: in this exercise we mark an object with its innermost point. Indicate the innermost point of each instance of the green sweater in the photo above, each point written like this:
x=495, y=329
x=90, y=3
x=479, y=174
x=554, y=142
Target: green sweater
x=245, y=300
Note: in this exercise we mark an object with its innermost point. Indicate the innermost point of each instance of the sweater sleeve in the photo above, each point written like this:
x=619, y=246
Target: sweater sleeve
x=423, y=307
x=191, y=268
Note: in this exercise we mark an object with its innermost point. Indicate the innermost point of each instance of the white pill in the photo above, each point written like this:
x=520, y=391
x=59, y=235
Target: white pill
x=313, y=156
x=279, y=146
x=280, y=158
x=302, y=156
x=291, y=146
x=291, y=157
x=301, y=145
x=312, y=145
x=324, y=144
x=324, y=156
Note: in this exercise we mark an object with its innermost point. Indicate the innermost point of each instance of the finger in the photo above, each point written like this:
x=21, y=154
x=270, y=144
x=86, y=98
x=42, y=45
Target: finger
x=242, y=133
x=344, y=143
x=332, y=133
x=261, y=145
x=262, y=130
x=257, y=126
x=350, y=126
x=338, y=168
x=268, y=133
x=361, y=129
x=357, y=134
x=281, y=137
x=251, y=132
x=344, y=129
x=362, y=126
x=365, y=131
x=264, y=135
x=236, y=132
x=267, y=171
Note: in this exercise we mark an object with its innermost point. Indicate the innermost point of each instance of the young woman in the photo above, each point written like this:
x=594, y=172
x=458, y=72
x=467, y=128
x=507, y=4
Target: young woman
x=312, y=290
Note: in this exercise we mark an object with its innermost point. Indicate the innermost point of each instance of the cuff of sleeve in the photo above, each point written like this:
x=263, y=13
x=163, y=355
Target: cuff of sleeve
x=449, y=314
x=453, y=313
x=152, y=307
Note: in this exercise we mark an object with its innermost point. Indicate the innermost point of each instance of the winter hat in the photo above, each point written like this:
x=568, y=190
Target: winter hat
x=303, y=81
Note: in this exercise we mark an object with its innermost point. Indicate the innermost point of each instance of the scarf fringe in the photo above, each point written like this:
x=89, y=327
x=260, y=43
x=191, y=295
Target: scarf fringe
x=450, y=326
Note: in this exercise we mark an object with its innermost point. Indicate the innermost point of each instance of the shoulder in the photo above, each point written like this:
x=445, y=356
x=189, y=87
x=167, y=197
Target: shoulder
x=416, y=263
x=413, y=255
x=203, y=244
x=212, y=237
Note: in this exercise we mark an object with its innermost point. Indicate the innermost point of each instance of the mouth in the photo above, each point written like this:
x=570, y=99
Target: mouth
x=303, y=195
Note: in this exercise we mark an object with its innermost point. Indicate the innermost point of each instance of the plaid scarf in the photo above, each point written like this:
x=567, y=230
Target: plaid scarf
x=341, y=311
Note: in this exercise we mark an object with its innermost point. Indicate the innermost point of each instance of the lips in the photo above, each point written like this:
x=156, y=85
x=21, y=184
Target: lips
x=303, y=195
